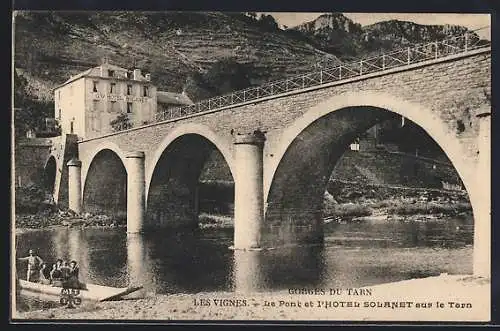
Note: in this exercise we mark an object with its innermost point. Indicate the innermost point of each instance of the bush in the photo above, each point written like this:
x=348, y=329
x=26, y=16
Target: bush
x=30, y=200
x=429, y=208
x=121, y=122
x=347, y=210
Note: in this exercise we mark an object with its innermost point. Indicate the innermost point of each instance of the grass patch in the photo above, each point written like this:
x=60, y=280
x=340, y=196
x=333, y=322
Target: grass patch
x=347, y=210
x=209, y=220
x=429, y=208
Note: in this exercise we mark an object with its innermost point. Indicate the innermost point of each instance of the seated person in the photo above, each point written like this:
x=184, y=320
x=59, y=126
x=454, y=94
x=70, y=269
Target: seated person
x=44, y=276
x=56, y=276
x=65, y=270
x=73, y=274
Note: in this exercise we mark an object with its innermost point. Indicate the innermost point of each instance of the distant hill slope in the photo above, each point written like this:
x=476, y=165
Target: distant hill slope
x=52, y=46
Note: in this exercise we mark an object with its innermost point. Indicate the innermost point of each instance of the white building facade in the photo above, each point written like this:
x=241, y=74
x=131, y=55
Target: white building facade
x=86, y=104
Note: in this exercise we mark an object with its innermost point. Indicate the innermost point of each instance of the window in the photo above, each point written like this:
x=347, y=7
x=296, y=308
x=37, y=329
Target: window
x=146, y=91
x=111, y=73
x=113, y=107
x=94, y=89
x=112, y=88
x=129, y=89
x=59, y=115
x=95, y=105
x=128, y=74
x=129, y=107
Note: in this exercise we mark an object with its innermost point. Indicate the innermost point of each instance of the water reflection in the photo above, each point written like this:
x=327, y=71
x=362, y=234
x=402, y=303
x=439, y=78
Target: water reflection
x=138, y=262
x=355, y=254
x=247, y=272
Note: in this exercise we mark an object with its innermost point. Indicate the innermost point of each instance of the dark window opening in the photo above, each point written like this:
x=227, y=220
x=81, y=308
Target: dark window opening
x=129, y=89
x=129, y=107
x=112, y=88
x=146, y=92
x=95, y=87
x=111, y=73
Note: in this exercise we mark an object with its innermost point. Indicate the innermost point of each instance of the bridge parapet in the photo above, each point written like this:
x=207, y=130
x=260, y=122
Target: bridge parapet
x=462, y=44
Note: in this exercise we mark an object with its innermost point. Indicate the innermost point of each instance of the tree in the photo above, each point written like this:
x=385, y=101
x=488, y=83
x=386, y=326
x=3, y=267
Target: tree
x=29, y=114
x=121, y=122
x=224, y=76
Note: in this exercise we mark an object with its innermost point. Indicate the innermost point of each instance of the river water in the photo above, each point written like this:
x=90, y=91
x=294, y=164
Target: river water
x=354, y=255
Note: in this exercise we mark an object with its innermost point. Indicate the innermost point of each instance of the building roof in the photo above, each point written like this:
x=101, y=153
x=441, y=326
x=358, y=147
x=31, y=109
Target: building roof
x=173, y=98
x=88, y=72
x=77, y=76
x=113, y=67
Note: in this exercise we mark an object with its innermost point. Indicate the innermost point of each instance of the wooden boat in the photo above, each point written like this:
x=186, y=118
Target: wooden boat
x=86, y=291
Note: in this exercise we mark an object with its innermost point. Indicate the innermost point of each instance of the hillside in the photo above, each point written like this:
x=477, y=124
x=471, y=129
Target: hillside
x=52, y=46
x=172, y=46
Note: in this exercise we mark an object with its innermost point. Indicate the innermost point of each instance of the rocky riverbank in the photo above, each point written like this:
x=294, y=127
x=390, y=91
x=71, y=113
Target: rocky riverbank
x=65, y=218
x=351, y=201
x=343, y=202
x=445, y=298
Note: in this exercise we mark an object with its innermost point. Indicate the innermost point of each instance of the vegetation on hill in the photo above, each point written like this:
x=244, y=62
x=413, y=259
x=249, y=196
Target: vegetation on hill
x=29, y=112
x=224, y=76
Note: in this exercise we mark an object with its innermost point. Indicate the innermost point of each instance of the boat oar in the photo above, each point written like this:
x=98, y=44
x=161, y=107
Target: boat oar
x=121, y=294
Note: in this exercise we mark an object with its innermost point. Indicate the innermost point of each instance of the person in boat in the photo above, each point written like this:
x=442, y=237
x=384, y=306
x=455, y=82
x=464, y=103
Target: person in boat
x=44, y=276
x=74, y=270
x=59, y=264
x=34, y=263
x=56, y=275
x=65, y=270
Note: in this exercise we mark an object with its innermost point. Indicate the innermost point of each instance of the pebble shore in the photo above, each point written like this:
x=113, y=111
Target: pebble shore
x=441, y=298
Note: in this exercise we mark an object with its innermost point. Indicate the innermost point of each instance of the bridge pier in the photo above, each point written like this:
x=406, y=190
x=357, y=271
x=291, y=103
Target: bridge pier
x=136, y=187
x=482, y=202
x=75, y=185
x=248, y=190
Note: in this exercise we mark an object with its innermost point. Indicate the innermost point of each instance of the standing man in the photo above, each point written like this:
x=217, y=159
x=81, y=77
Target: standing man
x=34, y=263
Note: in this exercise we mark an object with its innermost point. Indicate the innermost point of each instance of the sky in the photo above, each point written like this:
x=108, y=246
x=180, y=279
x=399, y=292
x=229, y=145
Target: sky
x=471, y=21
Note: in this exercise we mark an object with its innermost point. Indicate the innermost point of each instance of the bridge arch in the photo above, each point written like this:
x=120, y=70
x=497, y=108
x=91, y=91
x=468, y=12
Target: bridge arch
x=173, y=171
x=104, y=180
x=86, y=162
x=305, y=153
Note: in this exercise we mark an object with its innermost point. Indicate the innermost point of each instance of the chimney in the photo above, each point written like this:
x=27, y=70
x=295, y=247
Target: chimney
x=104, y=62
x=136, y=74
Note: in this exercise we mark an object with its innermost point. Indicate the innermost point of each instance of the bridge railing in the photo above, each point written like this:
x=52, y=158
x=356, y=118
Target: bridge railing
x=397, y=58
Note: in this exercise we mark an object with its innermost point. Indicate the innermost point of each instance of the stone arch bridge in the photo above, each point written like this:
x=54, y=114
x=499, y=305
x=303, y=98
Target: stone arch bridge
x=281, y=149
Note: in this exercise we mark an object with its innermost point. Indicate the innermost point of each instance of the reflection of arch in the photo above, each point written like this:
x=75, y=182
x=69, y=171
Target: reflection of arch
x=49, y=171
x=332, y=125
x=105, y=185
x=173, y=173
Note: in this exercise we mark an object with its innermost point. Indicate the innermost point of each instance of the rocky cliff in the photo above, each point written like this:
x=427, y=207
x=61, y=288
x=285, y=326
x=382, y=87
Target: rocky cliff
x=337, y=34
